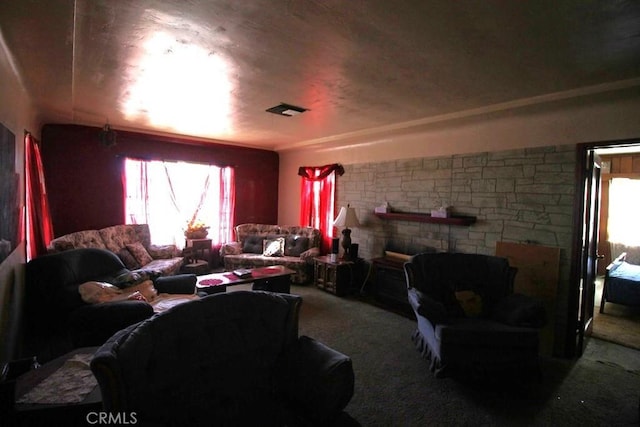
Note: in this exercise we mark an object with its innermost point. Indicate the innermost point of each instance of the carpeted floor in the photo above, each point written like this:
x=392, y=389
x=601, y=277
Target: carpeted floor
x=618, y=324
x=394, y=387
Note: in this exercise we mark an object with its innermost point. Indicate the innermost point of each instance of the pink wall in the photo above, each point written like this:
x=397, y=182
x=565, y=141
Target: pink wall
x=84, y=181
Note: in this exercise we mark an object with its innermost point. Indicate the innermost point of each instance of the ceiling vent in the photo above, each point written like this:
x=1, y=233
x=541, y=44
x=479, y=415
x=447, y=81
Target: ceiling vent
x=286, y=110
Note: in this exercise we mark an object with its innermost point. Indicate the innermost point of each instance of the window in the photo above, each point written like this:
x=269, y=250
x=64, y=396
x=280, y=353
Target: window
x=170, y=195
x=624, y=210
x=317, y=199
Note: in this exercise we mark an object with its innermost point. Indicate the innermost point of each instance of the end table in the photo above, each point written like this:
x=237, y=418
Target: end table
x=336, y=276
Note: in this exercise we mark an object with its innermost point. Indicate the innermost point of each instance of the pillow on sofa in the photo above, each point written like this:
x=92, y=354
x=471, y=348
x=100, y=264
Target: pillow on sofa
x=127, y=278
x=294, y=245
x=470, y=302
x=273, y=247
x=139, y=253
x=253, y=245
x=128, y=259
x=93, y=292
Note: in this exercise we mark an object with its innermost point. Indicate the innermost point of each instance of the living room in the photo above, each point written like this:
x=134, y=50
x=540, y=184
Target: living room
x=408, y=158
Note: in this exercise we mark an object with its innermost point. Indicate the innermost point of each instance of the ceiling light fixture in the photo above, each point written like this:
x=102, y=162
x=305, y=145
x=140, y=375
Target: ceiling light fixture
x=107, y=136
x=286, y=110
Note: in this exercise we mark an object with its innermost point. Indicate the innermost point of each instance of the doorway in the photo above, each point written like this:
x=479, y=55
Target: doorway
x=586, y=252
x=619, y=197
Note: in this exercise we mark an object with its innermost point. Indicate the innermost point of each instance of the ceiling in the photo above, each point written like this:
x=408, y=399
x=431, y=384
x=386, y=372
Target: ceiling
x=210, y=68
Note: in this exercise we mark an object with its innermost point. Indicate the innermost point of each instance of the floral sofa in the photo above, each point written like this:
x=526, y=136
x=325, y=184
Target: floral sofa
x=132, y=244
x=259, y=245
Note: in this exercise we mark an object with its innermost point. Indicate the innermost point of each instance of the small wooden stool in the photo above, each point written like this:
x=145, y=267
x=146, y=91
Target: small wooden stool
x=197, y=267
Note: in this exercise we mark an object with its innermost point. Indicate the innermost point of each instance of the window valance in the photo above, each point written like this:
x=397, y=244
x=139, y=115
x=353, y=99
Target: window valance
x=316, y=173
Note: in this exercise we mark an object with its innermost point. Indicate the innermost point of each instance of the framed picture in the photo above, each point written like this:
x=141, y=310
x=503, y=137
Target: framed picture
x=10, y=206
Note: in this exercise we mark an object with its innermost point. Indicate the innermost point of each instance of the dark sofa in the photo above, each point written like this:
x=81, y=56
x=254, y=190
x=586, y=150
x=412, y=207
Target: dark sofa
x=231, y=359
x=469, y=321
x=57, y=320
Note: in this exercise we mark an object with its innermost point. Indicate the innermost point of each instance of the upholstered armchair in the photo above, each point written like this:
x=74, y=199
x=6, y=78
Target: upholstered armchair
x=230, y=359
x=469, y=321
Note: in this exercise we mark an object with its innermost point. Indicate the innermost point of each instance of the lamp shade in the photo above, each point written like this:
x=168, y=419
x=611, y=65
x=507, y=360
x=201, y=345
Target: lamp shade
x=346, y=218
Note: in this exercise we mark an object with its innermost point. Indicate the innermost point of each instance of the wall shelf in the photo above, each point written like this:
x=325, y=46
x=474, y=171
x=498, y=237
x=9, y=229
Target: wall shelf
x=425, y=217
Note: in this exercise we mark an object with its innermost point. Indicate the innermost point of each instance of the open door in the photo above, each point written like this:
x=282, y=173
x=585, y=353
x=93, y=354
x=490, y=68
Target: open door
x=589, y=254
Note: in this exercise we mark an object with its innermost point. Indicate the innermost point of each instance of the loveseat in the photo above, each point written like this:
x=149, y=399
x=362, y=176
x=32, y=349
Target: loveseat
x=69, y=305
x=230, y=359
x=259, y=245
x=130, y=242
x=469, y=321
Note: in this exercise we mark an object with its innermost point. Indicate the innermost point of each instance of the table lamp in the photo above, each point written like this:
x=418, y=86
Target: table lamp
x=346, y=218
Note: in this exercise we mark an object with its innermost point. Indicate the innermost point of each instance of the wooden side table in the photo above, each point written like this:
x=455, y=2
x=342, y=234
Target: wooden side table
x=338, y=277
x=198, y=255
x=390, y=281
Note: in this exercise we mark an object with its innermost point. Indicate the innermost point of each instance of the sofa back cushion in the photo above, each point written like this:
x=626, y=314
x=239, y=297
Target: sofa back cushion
x=311, y=236
x=77, y=240
x=117, y=237
x=295, y=244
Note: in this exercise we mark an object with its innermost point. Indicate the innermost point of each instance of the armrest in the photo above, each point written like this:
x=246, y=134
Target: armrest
x=310, y=254
x=520, y=310
x=178, y=284
x=317, y=379
x=230, y=248
x=93, y=324
x=427, y=307
x=163, y=251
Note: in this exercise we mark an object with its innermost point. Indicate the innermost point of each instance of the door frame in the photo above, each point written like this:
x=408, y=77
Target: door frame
x=572, y=333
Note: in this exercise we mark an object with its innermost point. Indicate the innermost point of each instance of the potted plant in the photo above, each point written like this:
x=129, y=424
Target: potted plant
x=196, y=230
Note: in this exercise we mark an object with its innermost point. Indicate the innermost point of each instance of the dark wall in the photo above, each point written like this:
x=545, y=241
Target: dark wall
x=84, y=185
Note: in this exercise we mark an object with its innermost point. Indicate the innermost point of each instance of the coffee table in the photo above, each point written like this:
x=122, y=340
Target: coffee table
x=273, y=278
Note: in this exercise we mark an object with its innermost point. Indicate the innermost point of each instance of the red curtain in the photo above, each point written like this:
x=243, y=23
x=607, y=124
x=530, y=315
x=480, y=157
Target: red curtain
x=317, y=199
x=39, y=228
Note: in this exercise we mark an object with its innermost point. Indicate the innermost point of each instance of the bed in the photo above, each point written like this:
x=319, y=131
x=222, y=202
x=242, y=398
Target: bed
x=621, y=283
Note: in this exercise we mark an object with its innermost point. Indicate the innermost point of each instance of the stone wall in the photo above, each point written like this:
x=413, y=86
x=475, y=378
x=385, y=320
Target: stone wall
x=523, y=196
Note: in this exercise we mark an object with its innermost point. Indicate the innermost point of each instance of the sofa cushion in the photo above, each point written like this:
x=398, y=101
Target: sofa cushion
x=273, y=247
x=253, y=244
x=128, y=259
x=520, y=310
x=139, y=253
x=117, y=237
x=166, y=267
x=294, y=245
x=77, y=240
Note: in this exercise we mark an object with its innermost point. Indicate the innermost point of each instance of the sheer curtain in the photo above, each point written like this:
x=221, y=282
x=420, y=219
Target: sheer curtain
x=170, y=195
x=39, y=228
x=624, y=211
x=317, y=199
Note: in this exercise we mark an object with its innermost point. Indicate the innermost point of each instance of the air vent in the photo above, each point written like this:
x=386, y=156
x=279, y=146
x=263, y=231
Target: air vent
x=286, y=110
